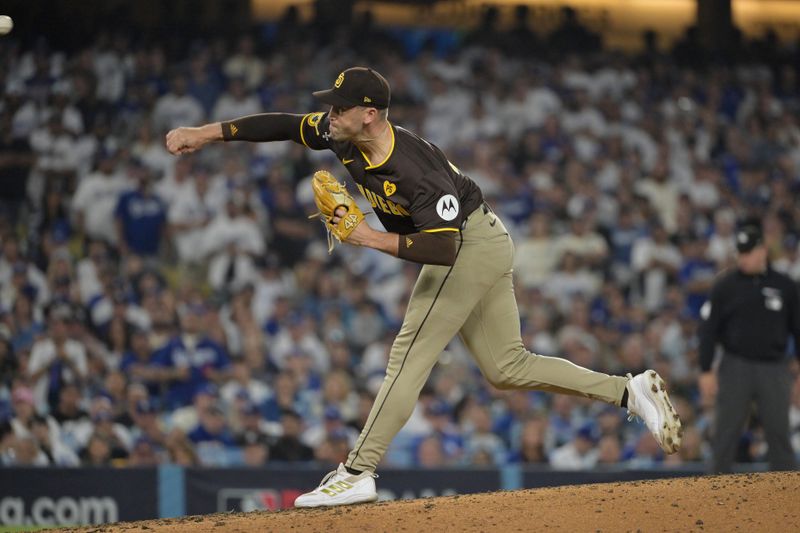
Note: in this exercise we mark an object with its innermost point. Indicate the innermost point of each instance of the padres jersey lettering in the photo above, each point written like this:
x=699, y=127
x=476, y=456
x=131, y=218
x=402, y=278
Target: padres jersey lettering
x=427, y=192
x=384, y=204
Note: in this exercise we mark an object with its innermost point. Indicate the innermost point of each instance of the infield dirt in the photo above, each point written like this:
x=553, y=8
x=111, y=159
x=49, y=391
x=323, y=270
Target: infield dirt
x=746, y=502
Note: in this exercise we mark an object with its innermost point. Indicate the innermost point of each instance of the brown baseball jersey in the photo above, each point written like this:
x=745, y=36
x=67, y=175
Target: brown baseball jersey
x=414, y=189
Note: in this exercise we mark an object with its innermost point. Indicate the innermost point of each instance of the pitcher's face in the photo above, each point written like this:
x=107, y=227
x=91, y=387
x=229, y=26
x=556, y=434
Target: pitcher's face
x=346, y=123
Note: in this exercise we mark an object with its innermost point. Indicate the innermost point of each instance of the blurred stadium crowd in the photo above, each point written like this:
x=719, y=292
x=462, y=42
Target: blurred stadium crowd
x=157, y=309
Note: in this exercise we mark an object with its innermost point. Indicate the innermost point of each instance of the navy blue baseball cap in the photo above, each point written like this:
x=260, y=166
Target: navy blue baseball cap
x=209, y=389
x=332, y=413
x=357, y=86
x=588, y=432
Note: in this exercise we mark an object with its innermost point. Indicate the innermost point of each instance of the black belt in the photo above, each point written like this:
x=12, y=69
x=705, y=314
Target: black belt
x=484, y=207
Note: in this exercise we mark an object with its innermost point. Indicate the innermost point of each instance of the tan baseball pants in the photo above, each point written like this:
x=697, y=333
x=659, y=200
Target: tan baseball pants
x=474, y=299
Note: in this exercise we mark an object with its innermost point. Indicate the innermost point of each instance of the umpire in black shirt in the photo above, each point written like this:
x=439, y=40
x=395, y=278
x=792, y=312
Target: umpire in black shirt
x=751, y=312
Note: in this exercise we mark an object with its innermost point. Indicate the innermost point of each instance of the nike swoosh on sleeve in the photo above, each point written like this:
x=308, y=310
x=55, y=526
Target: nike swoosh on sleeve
x=347, y=161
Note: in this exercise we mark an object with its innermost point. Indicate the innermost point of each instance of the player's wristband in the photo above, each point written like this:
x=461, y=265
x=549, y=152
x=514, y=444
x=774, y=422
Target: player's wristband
x=428, y=248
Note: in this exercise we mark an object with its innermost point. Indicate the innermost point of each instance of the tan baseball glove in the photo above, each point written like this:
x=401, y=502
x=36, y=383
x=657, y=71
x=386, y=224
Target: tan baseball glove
x=329, y=195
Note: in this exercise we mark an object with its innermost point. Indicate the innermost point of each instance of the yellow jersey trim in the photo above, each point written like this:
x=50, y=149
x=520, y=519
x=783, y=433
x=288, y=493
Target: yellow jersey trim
x=437, y=230
x=370, y=166
x=302, y=137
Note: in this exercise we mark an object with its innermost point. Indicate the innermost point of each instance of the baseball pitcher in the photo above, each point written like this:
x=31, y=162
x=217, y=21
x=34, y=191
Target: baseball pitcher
x=435, y=215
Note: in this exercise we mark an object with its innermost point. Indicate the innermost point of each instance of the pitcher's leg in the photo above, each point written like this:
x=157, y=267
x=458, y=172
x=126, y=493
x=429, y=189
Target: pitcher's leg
x=430, y=323
x=492, y=334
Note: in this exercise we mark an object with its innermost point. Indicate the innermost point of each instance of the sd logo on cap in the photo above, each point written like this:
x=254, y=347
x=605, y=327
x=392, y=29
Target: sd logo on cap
x=357, y=86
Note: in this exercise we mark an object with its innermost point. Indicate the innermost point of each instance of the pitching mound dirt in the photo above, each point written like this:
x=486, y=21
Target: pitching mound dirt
x=747, y=502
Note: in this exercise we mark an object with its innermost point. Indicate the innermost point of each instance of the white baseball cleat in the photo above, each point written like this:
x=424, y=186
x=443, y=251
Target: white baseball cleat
x=340, y=487
x=648, y=399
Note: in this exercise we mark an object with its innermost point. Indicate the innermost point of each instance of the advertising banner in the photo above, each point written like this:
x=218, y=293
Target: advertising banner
x=66, y=497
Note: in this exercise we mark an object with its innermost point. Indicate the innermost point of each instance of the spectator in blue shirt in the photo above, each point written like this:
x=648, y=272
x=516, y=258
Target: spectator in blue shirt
x=285, y=397
x=27, y=327
x=141, y=216
x=139, y=364
x=212, y=428
x=622, y=235
x=696, y=275
x=439, y=415
x=199, y=359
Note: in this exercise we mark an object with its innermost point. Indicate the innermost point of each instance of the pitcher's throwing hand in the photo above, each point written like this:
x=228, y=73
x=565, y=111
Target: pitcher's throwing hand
x=186, y=140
